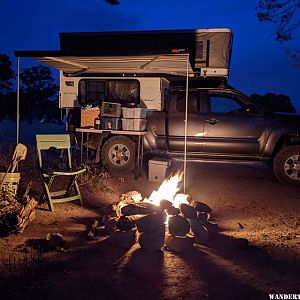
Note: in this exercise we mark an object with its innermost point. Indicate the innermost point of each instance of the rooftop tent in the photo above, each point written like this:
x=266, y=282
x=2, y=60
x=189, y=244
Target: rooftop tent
x=141, y=52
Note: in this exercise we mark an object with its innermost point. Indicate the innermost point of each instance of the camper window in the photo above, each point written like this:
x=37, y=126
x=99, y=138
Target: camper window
x=93, y=92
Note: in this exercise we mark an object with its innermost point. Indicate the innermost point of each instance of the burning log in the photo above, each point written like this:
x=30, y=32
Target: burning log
x=178, y=244
x=178, y=226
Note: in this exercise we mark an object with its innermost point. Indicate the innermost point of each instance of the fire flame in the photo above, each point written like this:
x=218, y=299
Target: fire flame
x=168, y=190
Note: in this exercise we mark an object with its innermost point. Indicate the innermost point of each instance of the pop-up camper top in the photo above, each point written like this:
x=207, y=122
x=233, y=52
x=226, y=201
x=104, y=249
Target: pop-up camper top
x=149, y=58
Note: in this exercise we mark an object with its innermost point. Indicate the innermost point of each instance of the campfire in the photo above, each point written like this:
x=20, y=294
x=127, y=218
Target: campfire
x=167, y=219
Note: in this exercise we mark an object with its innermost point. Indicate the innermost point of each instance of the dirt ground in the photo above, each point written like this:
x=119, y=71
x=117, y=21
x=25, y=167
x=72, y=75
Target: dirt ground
x=247, y=202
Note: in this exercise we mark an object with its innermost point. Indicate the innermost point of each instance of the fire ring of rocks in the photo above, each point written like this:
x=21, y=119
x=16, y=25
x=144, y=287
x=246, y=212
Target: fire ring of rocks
x=173, y=224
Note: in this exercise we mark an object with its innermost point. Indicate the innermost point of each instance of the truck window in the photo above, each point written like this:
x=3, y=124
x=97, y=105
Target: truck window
x=225, y=105
x=93, y=92
x=193, y=102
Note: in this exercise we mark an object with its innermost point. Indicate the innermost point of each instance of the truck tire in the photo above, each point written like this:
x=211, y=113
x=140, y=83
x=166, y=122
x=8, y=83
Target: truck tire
x=118, y=154
x=286, y=165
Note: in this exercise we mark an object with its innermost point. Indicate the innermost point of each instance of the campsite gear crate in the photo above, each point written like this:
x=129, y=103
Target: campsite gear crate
x=134, y=124
x=88, y=117
x=9, y=182
x=110, y=123
x=134, y=113
x=158, y=169
x=110, y=109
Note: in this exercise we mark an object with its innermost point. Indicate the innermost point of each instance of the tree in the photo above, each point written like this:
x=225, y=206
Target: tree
x=283, y=13
x=38, y=87
x=112, y=2
x=6, y=74
x=274, y=103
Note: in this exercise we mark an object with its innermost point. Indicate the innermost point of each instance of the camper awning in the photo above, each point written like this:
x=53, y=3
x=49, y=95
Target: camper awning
x=174, y=64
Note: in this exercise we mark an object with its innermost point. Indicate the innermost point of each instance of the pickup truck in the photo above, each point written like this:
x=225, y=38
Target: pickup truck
x=223, y=125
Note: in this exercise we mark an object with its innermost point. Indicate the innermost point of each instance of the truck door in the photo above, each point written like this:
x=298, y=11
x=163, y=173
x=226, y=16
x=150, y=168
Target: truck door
x=230, y=128
x=176, y=124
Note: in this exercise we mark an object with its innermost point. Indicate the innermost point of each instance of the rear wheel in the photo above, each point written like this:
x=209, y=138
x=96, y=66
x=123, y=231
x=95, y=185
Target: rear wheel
x=286, y=165
x=118, y=154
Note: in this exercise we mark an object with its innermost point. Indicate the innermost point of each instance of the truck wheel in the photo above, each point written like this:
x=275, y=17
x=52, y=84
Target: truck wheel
x=286, y=165
x=118, y=154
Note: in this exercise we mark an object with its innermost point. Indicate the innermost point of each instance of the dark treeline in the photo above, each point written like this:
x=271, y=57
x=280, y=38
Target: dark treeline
x=38, y=93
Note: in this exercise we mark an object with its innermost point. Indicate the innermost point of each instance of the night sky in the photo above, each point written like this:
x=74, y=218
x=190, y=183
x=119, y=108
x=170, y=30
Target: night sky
x=259, y=63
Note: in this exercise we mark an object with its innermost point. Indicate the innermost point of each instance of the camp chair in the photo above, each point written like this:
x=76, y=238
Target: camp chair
x=65, y=179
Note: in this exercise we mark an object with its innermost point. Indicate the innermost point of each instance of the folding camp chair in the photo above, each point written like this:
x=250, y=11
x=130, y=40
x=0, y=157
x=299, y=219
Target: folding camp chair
x=57, y=175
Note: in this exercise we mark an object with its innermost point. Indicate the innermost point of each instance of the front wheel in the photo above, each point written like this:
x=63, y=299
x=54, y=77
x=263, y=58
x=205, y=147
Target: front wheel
x=118, y=154
x=286, y=165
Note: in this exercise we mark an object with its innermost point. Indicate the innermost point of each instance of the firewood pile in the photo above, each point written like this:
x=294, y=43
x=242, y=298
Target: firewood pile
x=15, y=214
x=154, y=227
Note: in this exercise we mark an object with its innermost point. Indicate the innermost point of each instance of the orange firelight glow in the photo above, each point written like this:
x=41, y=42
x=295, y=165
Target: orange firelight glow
x=168, y=191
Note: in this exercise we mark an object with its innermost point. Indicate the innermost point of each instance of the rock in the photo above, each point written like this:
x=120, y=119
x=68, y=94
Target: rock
x=200, y=206
x=124, y=224
x=165, y=204
x=54, y=240
x=188, y=211
x=122, y=239
x=173, y=211
x=178, y=226
x=150, y=222
x=203, y=217
x=211, y=227
x=199, y=231
x=111, y=224
x=141, y=208
x=178, y=244
x=152, y=240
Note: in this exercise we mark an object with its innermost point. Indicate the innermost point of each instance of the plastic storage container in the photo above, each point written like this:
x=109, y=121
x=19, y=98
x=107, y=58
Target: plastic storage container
x=158, y=169
x=134, y=113
x=127, y=124
x=134, y=124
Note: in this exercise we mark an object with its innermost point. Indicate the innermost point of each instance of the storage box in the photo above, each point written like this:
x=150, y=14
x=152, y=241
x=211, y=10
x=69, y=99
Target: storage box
x=110, y=123
x=10, y=182
x=88, y=116
x=134, y=124
x=110, y=109
x=158, y=169
x=134, y=113
x=127, y=124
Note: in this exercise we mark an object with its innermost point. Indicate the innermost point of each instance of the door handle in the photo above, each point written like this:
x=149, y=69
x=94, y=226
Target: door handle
x=212, y=121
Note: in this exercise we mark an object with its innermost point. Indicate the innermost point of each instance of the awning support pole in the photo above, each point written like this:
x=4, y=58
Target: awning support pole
x=18, y=103
x=186, y=121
